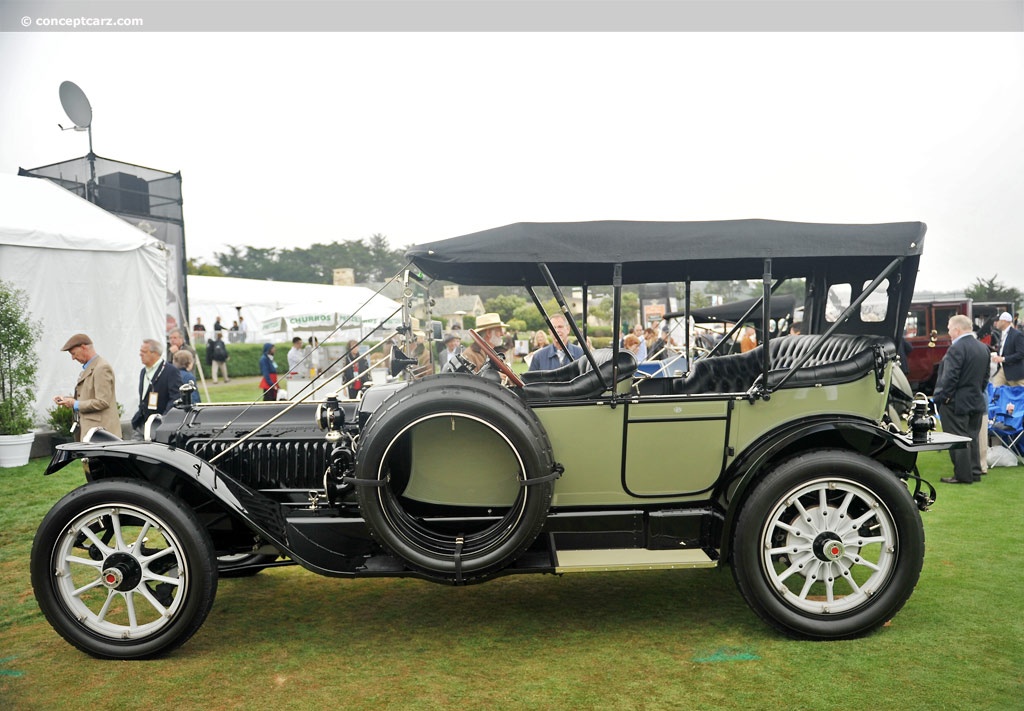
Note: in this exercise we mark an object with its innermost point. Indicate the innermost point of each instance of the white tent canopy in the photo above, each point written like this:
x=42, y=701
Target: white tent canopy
x=279, y=310
x=83, y=270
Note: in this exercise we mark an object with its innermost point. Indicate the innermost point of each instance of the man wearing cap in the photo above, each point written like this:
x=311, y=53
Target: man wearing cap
x=95, y=401
x=552, y=356
x=492, y=329
x=1010, y=358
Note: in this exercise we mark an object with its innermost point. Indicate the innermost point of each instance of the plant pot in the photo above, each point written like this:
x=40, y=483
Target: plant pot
x=15, y=449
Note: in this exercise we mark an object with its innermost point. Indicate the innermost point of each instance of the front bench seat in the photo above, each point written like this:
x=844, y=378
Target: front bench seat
x=585, y=384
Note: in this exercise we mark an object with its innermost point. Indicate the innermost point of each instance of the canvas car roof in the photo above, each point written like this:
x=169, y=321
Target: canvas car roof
x=585, y=252
x=782, y=306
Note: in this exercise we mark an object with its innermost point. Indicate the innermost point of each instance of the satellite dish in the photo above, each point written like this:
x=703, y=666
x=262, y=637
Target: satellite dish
x=75, y=104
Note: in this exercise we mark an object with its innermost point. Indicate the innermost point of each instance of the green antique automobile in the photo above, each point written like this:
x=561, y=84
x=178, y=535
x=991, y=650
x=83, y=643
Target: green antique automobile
x=792, y=463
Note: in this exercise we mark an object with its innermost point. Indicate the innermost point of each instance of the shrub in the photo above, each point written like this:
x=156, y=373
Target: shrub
x=19, y=363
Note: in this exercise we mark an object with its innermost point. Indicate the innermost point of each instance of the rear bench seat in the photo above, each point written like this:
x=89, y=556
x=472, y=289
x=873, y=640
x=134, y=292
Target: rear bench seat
x=842, y=358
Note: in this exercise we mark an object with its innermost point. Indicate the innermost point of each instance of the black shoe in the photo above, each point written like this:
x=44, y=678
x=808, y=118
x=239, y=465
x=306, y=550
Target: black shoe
x=954, y=480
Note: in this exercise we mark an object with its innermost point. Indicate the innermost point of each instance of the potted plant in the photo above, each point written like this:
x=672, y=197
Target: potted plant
x=60, y=420
x=19, y=334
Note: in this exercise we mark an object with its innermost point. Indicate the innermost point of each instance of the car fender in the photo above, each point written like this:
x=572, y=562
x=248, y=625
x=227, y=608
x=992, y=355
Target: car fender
x=161, y=464
x=854, y=434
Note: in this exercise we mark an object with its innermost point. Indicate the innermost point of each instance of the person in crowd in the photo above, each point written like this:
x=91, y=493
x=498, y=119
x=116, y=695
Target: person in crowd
x=748, y=339
x=632, y=344
x=650, y=336
x=960, y=396
x=451, y=350
x=95, y=400
x=316, y=355
x=638, y=331
x=540, y=339
x=268, y=373
x=796, y=328
x=1009, y=359
x=489, y=326
x=217, y=356
x=176, y=342
x=198, y=331
x=184, y=362
x=158, y=385
x=552, y=355
x=217, y=325
x=296, y=355
x=355, y=370
x=656, y=348
x=243, y=329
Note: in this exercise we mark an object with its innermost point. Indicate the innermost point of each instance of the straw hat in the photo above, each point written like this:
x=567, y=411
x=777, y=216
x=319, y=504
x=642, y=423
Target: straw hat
x=489, y=320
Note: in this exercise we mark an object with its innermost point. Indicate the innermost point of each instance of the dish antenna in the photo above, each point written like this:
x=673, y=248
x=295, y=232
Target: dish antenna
x=79, y=110
x=76, y=106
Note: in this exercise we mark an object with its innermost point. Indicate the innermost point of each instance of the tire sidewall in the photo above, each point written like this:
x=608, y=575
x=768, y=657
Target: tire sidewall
x=803, y=469
x=196, y=551
x=468, y=395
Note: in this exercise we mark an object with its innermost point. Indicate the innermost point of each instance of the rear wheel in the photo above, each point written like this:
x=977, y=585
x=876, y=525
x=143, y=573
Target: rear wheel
x=828, y=546
x=123, y=570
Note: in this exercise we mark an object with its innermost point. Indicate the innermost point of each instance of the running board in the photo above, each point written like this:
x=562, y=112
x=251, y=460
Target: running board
x=580, y=561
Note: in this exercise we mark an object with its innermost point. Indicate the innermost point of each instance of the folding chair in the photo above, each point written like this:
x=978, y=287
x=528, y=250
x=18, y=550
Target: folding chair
x=1006, y=418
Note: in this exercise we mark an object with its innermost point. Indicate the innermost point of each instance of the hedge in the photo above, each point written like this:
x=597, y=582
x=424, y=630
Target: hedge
x=244, y=358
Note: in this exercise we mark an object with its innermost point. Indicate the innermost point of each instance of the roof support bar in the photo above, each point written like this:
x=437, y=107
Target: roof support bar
x=766, y=312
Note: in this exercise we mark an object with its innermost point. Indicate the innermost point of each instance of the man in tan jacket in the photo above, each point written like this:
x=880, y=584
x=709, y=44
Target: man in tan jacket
x=94, y=401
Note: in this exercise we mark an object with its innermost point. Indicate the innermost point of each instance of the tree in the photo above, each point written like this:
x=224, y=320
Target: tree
x=19, y=362
x=372, y=261
x=198, y=268
x=992, y=290
x=505, y=305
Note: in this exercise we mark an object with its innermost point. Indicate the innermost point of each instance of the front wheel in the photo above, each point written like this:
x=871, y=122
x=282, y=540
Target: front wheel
x=123, y=570
x=829, y=545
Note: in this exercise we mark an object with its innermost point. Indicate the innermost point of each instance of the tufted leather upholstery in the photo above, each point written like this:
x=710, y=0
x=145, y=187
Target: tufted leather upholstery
x=576, y=379
x=842, y=358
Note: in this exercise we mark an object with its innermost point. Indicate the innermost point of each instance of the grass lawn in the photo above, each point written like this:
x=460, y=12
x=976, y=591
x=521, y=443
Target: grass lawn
x=289, y=639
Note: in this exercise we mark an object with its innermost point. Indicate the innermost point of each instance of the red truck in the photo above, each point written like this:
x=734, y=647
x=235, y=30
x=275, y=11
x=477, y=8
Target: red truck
x=925, y=331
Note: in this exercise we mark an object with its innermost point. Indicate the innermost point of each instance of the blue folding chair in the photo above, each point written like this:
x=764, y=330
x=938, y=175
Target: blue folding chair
x=1006, y=418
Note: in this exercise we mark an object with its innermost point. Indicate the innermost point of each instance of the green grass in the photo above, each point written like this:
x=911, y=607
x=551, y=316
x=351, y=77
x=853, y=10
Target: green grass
x=290, y=639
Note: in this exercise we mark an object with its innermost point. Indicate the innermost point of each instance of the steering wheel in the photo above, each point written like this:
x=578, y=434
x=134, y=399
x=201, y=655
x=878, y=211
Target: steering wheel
x=496, y=359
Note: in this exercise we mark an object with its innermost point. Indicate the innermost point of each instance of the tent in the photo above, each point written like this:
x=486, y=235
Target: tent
x=83, y=270
x=278, y=310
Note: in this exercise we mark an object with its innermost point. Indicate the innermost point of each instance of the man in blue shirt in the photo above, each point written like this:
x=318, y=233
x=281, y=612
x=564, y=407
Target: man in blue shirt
x=552, y=356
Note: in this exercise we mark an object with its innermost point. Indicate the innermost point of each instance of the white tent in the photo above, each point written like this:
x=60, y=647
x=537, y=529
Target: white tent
x=83, y=270
x=277, y=310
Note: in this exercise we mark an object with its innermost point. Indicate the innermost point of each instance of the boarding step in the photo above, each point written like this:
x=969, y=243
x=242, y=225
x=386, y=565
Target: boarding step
x=606, y=559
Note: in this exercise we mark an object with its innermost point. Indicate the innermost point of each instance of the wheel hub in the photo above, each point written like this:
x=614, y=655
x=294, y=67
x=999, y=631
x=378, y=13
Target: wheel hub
x=828, y=547
x=121, y=572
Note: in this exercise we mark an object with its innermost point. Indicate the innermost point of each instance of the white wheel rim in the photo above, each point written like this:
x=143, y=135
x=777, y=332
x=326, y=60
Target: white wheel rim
x=103, y=595
x=829, y=546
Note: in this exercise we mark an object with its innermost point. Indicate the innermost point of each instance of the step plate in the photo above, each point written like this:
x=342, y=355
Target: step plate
x=579, y=561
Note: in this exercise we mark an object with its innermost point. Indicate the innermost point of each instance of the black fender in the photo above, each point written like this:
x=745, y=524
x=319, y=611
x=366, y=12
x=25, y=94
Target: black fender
x=160, y=464
x=855, y=434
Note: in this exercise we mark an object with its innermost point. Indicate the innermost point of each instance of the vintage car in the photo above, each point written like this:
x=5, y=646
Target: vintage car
x=793, y=463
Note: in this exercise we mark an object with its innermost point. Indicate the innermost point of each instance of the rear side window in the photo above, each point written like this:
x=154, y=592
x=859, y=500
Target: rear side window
x=872, y=310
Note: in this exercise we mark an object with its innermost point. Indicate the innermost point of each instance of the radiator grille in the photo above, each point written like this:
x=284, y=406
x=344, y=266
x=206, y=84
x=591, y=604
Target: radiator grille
x=270, y=464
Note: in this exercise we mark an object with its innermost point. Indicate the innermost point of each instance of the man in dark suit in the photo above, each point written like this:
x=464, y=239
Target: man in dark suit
x=960, y=396
x=1010, y=357
x=158, y=385
x=95, y=401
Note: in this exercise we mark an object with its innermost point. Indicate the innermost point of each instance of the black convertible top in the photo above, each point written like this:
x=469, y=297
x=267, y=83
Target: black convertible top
x=783, y=306
x=585, y=252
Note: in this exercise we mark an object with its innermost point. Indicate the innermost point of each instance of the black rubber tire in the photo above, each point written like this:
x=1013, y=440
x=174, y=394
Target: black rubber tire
x=834, y=474
x=77, y=616
x=434, y=552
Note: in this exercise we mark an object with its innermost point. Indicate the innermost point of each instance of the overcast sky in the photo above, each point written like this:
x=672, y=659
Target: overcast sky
x=289, y=139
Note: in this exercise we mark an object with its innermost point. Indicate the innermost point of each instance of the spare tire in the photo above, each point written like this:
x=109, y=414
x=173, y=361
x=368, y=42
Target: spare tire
x=454, y=476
